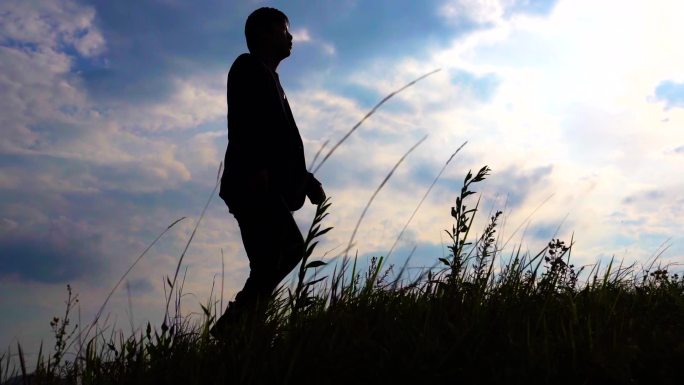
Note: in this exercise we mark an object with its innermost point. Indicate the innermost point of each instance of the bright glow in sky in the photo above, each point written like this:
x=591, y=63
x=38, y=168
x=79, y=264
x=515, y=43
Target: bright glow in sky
x=113, y=126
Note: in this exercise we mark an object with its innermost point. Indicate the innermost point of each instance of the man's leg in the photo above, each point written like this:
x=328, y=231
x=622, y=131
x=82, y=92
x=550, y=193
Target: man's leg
x=274, y=246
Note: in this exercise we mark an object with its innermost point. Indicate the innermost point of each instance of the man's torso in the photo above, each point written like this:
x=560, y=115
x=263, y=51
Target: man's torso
x=262, y=134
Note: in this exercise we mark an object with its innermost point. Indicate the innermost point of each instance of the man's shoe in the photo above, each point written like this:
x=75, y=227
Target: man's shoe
x=226, y=322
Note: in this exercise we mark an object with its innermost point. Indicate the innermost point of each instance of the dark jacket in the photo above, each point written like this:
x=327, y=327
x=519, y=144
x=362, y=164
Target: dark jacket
x=262, y=135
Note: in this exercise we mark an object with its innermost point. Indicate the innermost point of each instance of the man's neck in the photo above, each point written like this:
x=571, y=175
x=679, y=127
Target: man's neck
x=269, y=61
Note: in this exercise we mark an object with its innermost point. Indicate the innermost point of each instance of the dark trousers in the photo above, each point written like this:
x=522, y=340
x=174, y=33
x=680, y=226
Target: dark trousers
x=274, y=246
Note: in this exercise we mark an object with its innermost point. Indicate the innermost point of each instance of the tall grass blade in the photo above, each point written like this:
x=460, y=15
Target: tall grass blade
x=130, y=306
x=80, y=334
x=377, y=190
x=318, y=153
x=40, y=357
x=371, y=112
x=223, y=273
x=427, y=192
x=7, y=358
x=192, y=235
x=22, y=364
x=527, y=219
x=395, y=284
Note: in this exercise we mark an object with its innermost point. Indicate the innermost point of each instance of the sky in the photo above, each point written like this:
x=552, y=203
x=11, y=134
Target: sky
x=113, y=122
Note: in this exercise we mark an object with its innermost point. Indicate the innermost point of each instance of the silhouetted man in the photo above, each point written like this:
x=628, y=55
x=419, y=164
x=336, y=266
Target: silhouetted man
x=265, y=176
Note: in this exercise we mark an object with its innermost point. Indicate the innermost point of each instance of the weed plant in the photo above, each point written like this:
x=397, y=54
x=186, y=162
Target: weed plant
x=532, y=320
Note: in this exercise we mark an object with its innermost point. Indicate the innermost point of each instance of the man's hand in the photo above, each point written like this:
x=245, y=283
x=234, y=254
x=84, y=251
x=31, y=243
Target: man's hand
x=315, y=192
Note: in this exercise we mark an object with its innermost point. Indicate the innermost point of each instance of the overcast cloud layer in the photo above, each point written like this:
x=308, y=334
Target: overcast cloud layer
x=113, y=126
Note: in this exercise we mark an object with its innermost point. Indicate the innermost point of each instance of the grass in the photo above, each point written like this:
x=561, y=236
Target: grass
x=534, y=320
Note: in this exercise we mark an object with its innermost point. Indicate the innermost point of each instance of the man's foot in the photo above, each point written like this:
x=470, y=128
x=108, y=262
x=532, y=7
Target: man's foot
x=229, y=320
x=238, y=317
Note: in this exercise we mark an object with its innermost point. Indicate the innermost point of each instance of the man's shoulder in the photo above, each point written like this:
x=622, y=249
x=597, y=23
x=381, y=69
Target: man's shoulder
x=246, y=62
x=245, y=58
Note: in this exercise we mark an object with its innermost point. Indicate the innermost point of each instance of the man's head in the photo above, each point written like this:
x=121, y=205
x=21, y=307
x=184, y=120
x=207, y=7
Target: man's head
x=267, y=33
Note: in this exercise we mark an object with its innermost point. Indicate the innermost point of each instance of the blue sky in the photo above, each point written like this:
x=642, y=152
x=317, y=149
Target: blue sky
x=113, y=126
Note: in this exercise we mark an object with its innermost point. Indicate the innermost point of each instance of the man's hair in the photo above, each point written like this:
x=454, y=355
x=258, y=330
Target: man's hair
x=261, y=21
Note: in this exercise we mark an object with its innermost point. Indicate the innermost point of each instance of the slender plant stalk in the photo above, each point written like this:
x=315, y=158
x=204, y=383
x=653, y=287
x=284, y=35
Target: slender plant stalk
x=318, y=153
x=369, y=114
x=301, y=297
x=377, y=190
x=80, y=335
x=395, y=284
x=223, y=273
x=187, y=245
x=527, y=219
x=130, y=306
x=423, y=200
x=22, y=362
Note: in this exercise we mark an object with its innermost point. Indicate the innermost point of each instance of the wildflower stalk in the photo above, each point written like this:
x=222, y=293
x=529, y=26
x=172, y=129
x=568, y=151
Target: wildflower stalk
x=301, y=296
x=464, y=219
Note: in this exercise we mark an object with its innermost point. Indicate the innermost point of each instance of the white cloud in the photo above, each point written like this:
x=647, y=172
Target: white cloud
x=195, y=100
x=48, y=24
x=575, y=91
x=90, y=44
x=35, y=85
x=478, y=11
x=35, y=74
x=328, y=48
x=303, y=36
x=573, y=94
x=45, y=110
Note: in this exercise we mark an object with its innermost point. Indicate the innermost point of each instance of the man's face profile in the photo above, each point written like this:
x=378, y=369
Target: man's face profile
x=278, y=40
